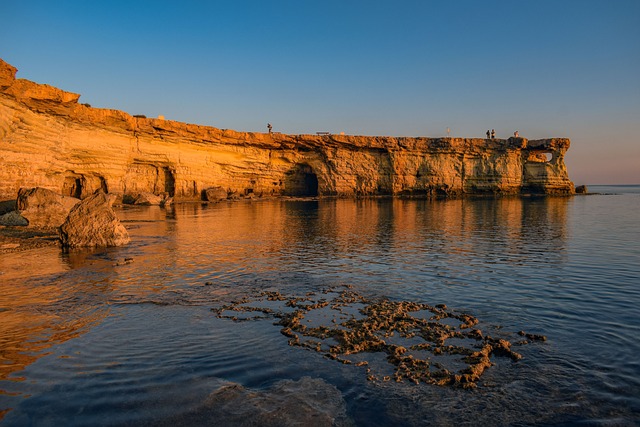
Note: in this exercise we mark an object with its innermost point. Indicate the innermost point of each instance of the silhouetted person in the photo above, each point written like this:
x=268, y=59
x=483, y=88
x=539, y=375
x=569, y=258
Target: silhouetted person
x=269, y=127
x=488, y=134
x=493, y=133
x=516, y=134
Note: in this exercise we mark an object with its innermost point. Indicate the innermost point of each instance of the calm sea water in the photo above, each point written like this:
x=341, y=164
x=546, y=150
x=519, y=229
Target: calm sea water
x=89, y=339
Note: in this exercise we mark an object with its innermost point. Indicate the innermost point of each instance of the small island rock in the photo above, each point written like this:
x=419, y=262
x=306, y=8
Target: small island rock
x=581, y=189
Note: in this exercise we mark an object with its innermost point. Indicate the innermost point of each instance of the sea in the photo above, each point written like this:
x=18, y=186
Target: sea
x=183, y=326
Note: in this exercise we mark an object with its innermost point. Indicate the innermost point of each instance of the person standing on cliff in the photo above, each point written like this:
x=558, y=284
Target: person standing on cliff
x=493, y=133
x=516, y=134
x=269, y=127
x=488, y=134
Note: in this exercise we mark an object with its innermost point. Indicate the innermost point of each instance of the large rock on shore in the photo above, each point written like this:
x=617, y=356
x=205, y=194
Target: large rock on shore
x=215, y=194
x=7, y=206
x=44, y=208
x=93, y=223
x=13, y=219
x=148, y=199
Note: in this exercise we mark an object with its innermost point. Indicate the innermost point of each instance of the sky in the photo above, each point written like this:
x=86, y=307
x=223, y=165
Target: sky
x=547, y=68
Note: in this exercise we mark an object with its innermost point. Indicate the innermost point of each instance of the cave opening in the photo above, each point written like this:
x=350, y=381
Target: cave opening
x=169, y=181
x=73, y=186
x=301, y=181
x=540, y=157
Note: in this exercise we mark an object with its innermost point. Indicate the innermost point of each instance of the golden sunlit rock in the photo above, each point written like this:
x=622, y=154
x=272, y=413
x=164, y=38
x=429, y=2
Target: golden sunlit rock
x=50, y=140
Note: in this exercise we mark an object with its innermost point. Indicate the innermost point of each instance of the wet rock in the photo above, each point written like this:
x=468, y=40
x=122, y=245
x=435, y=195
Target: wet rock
x=148, y=199
x=216, y=194
x=44, y=208
x=13, y=219
x=533, y=337
x=7, y=206
x=581, y=189
x=125, y=261
x=167, y=202
x=93, y=223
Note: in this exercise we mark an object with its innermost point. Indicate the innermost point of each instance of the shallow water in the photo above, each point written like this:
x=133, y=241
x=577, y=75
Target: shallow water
x=89, y=339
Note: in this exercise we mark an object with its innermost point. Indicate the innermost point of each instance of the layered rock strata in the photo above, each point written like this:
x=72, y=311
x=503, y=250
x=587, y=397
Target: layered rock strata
x=48, y=139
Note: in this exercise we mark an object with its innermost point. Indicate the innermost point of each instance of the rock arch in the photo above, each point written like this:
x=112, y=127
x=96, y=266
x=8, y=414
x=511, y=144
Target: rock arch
x=169, y=181
x=301, y=181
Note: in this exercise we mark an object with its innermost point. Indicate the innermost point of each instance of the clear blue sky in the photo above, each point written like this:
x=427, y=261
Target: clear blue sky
x=567, y=68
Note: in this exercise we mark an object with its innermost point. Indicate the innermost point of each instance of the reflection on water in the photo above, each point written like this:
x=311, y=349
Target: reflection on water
x=37, y=312
x=87, y=333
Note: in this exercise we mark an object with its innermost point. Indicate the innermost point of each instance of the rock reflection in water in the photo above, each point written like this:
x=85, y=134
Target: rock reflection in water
x=39, y=309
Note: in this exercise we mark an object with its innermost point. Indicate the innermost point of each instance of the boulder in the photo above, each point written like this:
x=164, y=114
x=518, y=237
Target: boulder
x=167, y=202
x=147, y=199
x=93, y=223
x=44, y=208
x=581, y=189
x=13, y=219
x=216, y=194
x=7, y=206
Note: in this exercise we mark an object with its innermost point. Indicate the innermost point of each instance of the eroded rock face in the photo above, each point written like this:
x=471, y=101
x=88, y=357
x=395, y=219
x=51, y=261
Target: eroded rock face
x=50, y=140
x=44, y=208
x=93, y=223
x=7, y=74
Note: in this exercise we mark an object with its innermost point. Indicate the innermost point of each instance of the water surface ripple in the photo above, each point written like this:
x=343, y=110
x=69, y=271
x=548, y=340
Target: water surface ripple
x=89, y=339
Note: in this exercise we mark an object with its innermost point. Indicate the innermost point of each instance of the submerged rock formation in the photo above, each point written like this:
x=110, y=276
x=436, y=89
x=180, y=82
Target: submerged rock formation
x=48, y=139
x=309, y=402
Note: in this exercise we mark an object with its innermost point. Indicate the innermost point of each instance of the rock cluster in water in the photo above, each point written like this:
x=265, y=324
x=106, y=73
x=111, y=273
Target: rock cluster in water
x=423, y=343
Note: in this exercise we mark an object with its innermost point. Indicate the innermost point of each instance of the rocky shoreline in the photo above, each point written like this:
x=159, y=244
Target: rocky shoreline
x=18, y=239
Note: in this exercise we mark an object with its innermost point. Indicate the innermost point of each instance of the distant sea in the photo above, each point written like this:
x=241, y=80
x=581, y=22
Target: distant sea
x=127, y=336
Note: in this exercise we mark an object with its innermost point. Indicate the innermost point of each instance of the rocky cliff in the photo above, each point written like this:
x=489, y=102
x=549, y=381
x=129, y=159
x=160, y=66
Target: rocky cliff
x=50, y=140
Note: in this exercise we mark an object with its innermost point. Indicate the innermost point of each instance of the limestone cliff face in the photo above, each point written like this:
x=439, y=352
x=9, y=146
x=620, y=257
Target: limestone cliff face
x=48, y=139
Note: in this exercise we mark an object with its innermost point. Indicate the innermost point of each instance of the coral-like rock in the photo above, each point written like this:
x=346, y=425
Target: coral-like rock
x=43, y=207
x=93, y=223
x=47, y=139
